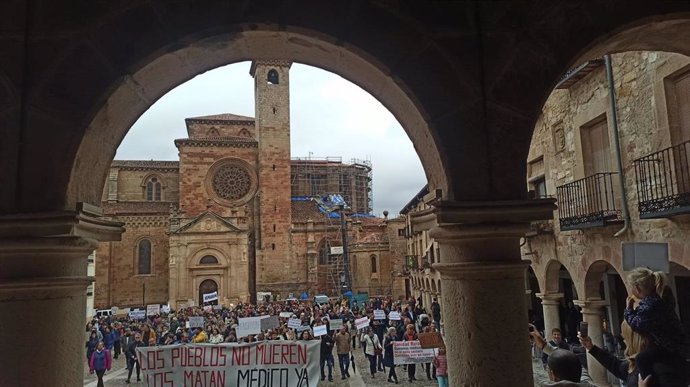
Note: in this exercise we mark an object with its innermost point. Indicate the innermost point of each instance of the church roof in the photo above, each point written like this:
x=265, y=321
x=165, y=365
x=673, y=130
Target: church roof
x=222, y=117
x=145, y=164
x=304, y=210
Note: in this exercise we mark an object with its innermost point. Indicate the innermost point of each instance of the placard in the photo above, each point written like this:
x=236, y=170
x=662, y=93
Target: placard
x=336, y=324
x=137, y=314
x=362, y=323
x=431, y=340
x=165, y=309
x=379, y=314
x=320, y=330
x=394, y=316
x=196, y=322
x=248, y=326
x=208, y=297
x=153, y=310
x=411, y=352
x=286, y=314
x=269, y=322
x=294, y=323
x=281, y=363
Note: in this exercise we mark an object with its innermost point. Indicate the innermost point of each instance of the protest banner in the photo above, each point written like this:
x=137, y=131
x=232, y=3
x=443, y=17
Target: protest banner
x=153, y=309
x=248, y=326
x=431, y=340
x=362, y=323
x=336, y=324
x=165, y=309
x=137, y=314
x=252, y=364
x=320, y=330
x=286, y=314
x=294, y=323
x=394, y=316
x=208, y=297
x=379, y=314
x=269, y=322
x=196, y=321
x=411, y=352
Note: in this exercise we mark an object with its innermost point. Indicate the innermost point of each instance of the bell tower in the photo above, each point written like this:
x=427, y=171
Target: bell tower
x=275, y=270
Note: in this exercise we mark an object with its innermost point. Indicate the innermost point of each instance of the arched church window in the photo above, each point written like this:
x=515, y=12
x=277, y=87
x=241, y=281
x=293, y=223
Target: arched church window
x=208, y=260
x=153, y=190
x=245, y=133
x=272, y=77
x=374, y=266
x=213, y=132
x=144, y=257
x=324, y=252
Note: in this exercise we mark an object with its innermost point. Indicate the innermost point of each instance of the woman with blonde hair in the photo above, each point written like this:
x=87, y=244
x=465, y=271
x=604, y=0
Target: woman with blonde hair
x=655, y=318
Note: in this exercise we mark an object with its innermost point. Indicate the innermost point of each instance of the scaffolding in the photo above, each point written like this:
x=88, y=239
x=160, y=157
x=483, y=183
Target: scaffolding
x=321, y=176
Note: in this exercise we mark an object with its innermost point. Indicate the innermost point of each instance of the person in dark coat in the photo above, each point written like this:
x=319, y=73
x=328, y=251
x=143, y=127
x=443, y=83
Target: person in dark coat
x=91, y=345
x=326, y=357
x=132, y=359
x=388, y=358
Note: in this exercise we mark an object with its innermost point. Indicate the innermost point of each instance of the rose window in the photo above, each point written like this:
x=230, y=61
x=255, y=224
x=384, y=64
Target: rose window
x=231, y=182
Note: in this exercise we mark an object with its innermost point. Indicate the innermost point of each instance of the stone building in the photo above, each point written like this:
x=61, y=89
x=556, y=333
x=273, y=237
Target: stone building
x=574, y=155
x=235, y=215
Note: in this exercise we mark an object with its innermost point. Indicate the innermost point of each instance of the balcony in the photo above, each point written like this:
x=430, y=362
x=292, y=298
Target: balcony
x=663, y=182
x=589, y=202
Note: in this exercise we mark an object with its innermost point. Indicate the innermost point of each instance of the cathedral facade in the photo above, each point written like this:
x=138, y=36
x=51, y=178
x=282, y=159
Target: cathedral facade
x=238, y=216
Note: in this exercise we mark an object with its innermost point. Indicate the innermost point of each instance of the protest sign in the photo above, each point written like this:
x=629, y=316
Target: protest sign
x=152, y=310
x=431, y=340
x=269, y=322
x=320, y=330
x=137, y=314
x=264, y=363
x=294, y=323
x=248, y=326
x=362, y=323
x=411, y=352
x=208, y=297
x=217, y=307
x=379, y=314
x=394, y=316
x=336, y=324
x=165, y=309
x=196, y=321
x=286, y=314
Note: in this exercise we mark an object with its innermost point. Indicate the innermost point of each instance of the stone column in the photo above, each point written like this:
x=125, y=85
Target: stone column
x=592, y=313
x=552, y=319
x=483, y=281
x=43, y=284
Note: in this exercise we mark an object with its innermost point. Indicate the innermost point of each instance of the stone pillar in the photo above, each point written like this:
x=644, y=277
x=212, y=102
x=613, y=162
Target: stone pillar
x=550, y=304
x=483, y=281
x=592, y=313
x=43, y=284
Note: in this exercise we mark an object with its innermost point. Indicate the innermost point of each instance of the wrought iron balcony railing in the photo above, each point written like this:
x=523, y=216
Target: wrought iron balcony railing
x=663, y=182
x=589, y=202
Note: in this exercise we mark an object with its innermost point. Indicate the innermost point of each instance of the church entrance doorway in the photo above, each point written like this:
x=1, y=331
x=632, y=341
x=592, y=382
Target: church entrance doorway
x=206, y=287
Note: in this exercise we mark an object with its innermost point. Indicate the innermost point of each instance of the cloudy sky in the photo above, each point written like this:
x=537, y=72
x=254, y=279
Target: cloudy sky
x=330, y=117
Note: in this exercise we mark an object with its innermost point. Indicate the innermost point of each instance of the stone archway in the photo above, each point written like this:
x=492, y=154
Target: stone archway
x=207, y=286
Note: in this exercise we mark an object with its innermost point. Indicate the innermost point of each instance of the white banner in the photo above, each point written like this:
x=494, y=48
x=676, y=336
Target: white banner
x=286, y=314
x=320, y=330
x=394, y=316
x=336, y=324
x=294, y=323
x=267, y=363
x=248, y=326
x=137, y=314
x=208, y=297
x=152, y=310
x=362, y=323
x=411, y=352
x=379, y=314
x=196, y=321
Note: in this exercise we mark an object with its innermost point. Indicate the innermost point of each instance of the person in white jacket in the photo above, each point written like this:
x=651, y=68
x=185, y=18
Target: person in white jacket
x=373, y=348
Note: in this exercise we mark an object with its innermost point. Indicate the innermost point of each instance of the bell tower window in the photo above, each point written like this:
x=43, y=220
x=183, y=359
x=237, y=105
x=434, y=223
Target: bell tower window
x=272, y=77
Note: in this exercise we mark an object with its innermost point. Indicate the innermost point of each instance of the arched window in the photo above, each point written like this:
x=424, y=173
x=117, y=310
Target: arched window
x=213, y=132
x=144, y=255
x=374, y=266
x=245, y=133
x=272, y=77
x=208, y=260
x=153, y=190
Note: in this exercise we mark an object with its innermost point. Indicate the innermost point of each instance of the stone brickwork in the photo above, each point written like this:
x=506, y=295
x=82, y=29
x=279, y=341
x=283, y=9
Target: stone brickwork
x=641, y=80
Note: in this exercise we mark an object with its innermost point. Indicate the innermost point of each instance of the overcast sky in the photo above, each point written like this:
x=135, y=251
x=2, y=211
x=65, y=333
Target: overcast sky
x=329, y=117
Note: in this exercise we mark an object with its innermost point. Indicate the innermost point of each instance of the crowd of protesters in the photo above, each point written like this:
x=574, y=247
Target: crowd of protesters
x=121, y=335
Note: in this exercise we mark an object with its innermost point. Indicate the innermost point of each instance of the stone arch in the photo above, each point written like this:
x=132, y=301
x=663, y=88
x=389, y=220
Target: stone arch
x=549, y=283
x=194, y=259
x=593, y=277
x=207, y=285
x=110, y=123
